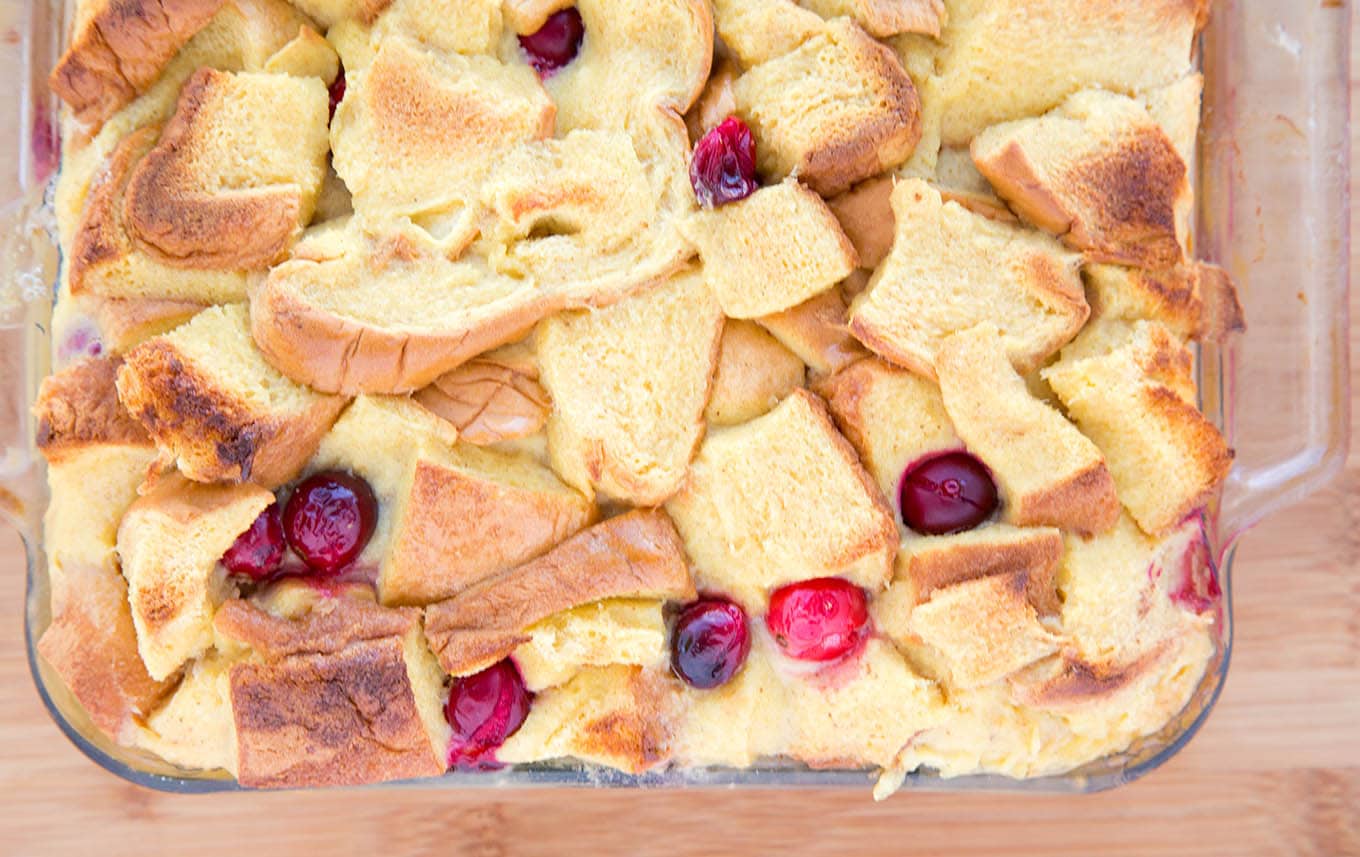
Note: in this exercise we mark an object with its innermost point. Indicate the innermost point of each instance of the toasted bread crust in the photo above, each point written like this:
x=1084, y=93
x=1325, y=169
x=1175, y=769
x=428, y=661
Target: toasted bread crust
x=1085, y=502
x=121, y=50
x=1038, y=551
x=636, y=738
x=1208, y=450
x=127, y=322
x=79, y=406
x=636, y=555
x=100, y=237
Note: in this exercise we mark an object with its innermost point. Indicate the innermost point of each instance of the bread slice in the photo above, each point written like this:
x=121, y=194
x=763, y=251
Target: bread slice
x=211, y=401
x=771, y=251
x=118, y=49
x=493, y=398
x=1131, y=396
x=958, y=180
x=614, y=631
x=343, y=695
x=758, y=31
x=224, y=189
x=752, y=512
x=817, y=331
x=865, y=213
x=449, y=26
x=193, y=727
x=951, y=269
x=78, y=407
x=716, y=102
x=1049, y=473
x=126, y=323
x=1014, y=58
x=450, y=514
x=635, y=555
x=629, y=385
x=170, y=542
x=754, y=373
x=928, y=564
x=834, y=111
x=1177, y=107
x=1100, y=173
x=883, y=18
x=1195, y=301
x=621, y=717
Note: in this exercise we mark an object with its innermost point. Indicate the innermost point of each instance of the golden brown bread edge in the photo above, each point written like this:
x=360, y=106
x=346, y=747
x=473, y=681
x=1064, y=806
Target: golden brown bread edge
x=79, y=406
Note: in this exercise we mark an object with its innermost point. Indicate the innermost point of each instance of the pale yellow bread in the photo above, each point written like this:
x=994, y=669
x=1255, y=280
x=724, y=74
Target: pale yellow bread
x=448, y=26
x=1133, y=397
x=170, y=543
x=449, y=514
x=217, y=408
x=193, y=727
x=619, y=716
x=1177, y=107
x=183, y=213
x=629, y=384
x=126, y=323
x=816, y=330
x=613, y=631
x=1049, y=473
x=951, y=269
x=347, y=693
x=958, y=180
x=329, y=13
x=834, y=111
x=91, y=488
x=1005, y=59
x=883, y=18
x=754, y=372
x=753, y=512
x=635, y=555
x=770, y=251
x=493, y=398
x=757, y=31
x=1195, y=301
x=1098, y=172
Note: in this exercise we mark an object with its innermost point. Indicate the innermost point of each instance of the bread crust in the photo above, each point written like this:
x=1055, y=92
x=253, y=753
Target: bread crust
x=78, y=407
x=947, y=562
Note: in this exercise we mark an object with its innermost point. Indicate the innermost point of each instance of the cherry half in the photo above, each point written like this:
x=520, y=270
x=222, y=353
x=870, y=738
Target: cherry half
x=947, y=493
x=484, y=709
x=710, y=643
x=818, y=620
x=556, y=43
x=329, y=519
x=336, y=91
x=258, y=552
x=723, y=168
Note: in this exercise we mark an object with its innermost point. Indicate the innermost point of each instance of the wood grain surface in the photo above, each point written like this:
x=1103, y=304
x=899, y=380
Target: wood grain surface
x=1276, y=771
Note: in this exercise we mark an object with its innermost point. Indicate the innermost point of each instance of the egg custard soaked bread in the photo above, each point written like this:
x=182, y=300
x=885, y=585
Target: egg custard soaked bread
x=643, y=384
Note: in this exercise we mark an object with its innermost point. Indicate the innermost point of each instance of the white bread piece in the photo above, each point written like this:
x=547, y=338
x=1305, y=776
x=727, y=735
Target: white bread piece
x=419, y=130
x=1049, y=473
x=758, y=31
x=1131, y=394
x=1004, y=59
x=213, y=403
x=126, y=323
x=951, y=269
x=621, y=717
x=629, y=385
x=752, y=512
x=883, y=18
x=753, y=374
x=613, y=631
x=1098, y=172
x=834, y=111
x=639, y=58
x=865, y=213
x=528, y=16
x=1176, y=107
x=330, y=13
x=449, y=514
x=816, y=330
x=224, y=189
x=344, y=694
x=1195, y=301
x=958, y=180
x=494, y=398
x=448, y=26
x=170, y=543
x=193, y=728
x=771, y=251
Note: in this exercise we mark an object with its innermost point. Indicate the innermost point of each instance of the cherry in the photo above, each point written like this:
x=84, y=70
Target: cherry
x=555, y=43
x=947, y=493
x=818, y=620
x=723, y=168
x=710, y=642
x=337, y=91
x=329, y=519
x=484, y=709
x=258, y=552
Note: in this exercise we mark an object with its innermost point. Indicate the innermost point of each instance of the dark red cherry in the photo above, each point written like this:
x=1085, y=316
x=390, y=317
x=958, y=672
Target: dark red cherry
x=329, y=518
x=723, y=168
x=555, y=43
x=710, y=642
x=484, y=709
x=258, y=552
x=947, y=493
x=818, y=620
x=337, y=91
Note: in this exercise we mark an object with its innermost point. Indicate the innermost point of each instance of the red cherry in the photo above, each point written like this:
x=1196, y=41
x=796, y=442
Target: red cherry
x=947, y=493
x=818, y=620
x=723, y=168
x=329, y=518
x=555, y=43
x=337, y=91
x=484, y=709
x=258, y=552
x=710, y=643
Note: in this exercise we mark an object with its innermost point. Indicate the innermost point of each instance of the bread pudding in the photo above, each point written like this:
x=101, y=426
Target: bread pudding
x=638, y=384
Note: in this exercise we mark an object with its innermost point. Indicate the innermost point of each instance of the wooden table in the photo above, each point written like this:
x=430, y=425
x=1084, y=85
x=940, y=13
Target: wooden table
x=1275, y=772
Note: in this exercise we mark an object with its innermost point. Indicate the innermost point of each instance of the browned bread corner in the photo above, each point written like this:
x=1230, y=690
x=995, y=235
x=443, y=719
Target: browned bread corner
x=79, y=406
x=1195, y=301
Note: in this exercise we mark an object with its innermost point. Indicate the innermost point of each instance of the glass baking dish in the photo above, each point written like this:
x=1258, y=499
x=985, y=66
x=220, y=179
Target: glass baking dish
x=1273, y=178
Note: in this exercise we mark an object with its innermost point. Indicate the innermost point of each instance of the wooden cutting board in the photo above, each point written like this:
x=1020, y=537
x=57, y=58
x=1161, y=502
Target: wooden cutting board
x=1276, y=771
